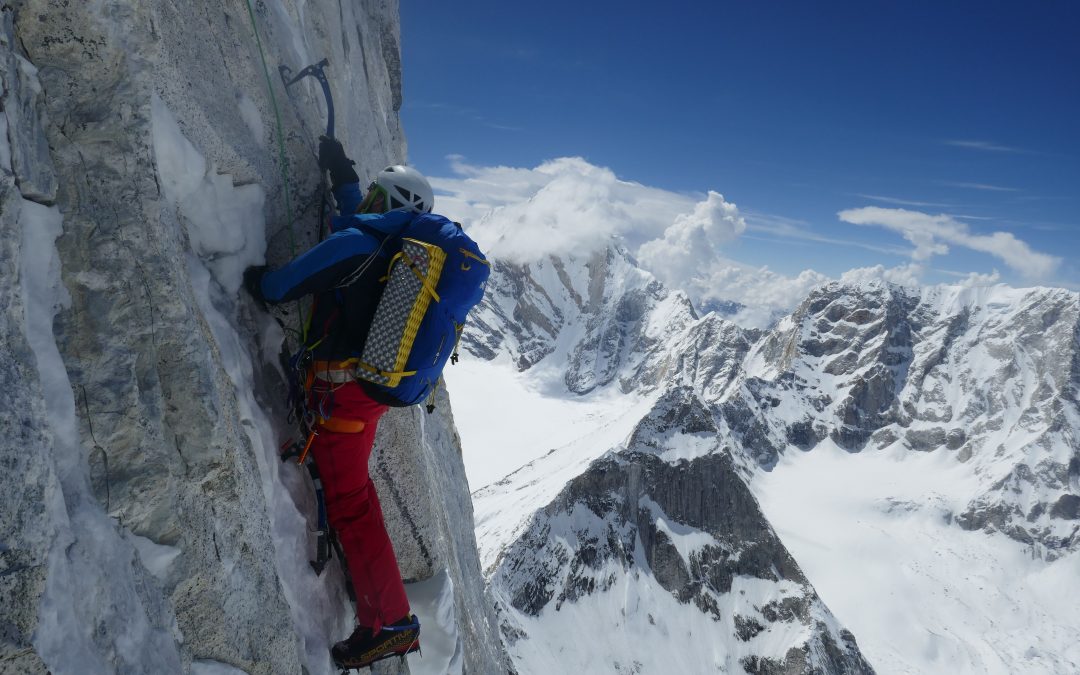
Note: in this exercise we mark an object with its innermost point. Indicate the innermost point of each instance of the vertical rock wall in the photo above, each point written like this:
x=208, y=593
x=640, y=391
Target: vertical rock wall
x=29, y=478
x=142, y=517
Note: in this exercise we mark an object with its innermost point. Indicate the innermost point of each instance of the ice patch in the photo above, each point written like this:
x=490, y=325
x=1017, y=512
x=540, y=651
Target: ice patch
x=686, y=540
x=320, y=615
x=224, y=221
x=432, y=601
x=29, y=74
x=5, y=146
x=89, y=559
x=208, y=667
x=156, y=558
x=226, y=228
x=250, y=114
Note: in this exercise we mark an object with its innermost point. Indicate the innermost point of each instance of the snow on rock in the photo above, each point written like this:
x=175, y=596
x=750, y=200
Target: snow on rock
x=595, y=321
x=642, y=565
x=148, y=525
x=986, y=375
x=971, y=393
x=31, y=485
x=923, y=596
x=433, y=599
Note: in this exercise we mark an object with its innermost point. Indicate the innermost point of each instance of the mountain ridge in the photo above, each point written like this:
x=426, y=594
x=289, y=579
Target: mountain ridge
x=871, y=367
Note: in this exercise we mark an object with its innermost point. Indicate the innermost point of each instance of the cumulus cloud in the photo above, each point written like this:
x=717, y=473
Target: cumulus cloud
x=563, y=206
x=931, y=235
x=904, y=275
x=570, y=206
x=764, y=294
x=974, y=279
x=690, y=246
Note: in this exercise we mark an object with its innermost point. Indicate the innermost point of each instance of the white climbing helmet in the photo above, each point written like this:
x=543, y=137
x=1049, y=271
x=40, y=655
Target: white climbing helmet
x=398, y=188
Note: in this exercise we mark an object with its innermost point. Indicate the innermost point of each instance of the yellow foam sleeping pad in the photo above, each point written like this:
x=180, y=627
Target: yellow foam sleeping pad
x=410, y=287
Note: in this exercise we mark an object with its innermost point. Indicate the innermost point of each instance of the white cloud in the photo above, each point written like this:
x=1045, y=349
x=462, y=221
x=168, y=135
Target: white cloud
x=903, y=202
x=790, y=228
x=974, y=279
x=904, y=275
x=690, y=246
x=980, y=186
x=989, y=146
x=565, y=205
x=568, y=205
x=931, y=235
x=764, y=294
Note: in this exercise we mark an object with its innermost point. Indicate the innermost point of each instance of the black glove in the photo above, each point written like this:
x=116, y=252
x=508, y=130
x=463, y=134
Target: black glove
x=253, y=283
x=332, y=158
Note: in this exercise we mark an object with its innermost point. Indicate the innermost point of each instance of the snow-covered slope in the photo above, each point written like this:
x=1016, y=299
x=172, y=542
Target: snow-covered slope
x=987, y=375
x=146, y=523
x=598, y=320
x=956, y=409
x=651, y=553
x=656, y=559
x=874, y=533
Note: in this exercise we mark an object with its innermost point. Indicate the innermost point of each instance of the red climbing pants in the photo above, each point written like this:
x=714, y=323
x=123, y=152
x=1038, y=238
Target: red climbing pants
x=353, y=510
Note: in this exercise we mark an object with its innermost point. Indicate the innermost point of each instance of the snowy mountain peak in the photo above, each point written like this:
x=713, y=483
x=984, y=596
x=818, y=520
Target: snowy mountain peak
x=664, y=547
x=600, y=316
x=969, y=394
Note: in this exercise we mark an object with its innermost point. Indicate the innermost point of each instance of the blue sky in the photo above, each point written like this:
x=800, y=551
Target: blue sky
x=793, y=111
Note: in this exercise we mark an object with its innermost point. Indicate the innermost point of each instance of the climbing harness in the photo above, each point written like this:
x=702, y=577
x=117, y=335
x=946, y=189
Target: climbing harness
x=325, y=539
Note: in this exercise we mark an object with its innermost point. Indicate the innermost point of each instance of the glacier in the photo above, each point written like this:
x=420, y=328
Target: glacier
x=915, y=450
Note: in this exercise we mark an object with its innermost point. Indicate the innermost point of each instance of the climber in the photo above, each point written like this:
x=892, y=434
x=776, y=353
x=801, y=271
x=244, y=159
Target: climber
x=345, y=274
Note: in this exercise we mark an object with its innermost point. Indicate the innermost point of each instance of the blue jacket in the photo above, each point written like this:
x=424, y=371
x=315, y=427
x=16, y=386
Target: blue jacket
x=355, y=237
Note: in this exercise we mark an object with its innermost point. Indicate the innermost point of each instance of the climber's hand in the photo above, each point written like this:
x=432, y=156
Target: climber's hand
x=332, y=158
x=253, y=283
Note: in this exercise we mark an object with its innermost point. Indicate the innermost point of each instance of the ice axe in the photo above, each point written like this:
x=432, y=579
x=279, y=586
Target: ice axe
x=288, y=79
x=315, y=70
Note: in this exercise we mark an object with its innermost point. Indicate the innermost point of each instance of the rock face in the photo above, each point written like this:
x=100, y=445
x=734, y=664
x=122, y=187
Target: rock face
x=987, y=377
x=692, y=527
x=621, y=319
x=147, y=525
x=986, y=374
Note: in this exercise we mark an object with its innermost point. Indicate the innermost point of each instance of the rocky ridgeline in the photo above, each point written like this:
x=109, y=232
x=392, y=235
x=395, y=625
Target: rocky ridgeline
x=621, y=319
x=618, y=522
x=143, y=509
x=989, y=375
x=986, y=374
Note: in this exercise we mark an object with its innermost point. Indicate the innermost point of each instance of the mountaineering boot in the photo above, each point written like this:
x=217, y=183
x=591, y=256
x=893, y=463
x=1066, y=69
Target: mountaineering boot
x=361, y=649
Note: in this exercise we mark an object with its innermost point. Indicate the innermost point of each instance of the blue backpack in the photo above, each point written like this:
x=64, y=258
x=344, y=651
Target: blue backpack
x=432, y=282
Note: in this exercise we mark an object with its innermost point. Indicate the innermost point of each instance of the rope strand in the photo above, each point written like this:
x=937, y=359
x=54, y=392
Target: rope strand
x=282, y=159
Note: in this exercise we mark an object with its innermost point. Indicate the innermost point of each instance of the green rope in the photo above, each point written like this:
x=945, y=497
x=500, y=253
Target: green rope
x=283, y=158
